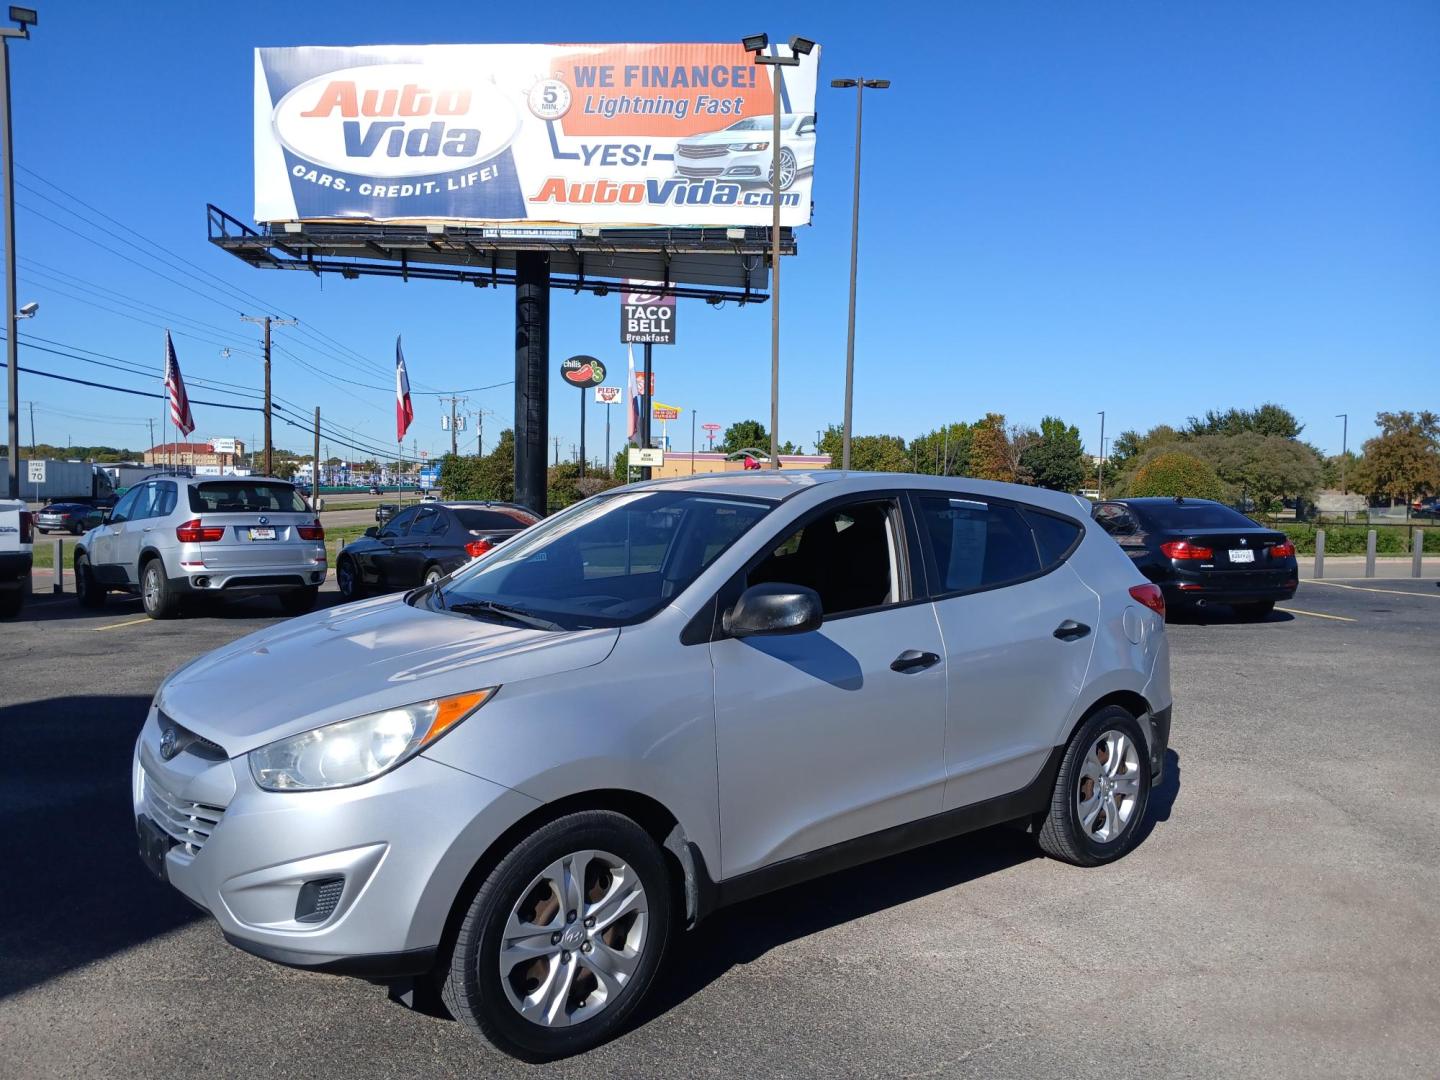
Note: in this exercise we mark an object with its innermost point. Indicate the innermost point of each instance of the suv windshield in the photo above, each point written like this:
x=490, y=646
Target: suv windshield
x=610, y=561
x=1191, y=515
x=244, y=496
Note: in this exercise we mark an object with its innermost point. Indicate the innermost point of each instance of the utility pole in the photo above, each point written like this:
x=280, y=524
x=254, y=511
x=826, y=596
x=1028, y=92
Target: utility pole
x=32, y=429
x=557, y=449
x=266, y=321
x=151, y=423
x=454, y=424
x=24, y=18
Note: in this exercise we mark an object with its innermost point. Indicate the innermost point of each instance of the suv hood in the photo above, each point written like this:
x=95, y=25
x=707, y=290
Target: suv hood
x=356, y=659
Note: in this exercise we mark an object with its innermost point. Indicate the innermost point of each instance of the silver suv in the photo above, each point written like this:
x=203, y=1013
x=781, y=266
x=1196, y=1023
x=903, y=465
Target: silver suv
x=519, y=782
x=175, y=537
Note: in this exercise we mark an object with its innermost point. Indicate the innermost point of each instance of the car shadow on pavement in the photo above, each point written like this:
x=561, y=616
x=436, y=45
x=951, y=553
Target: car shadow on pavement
x=117, y=607
x=1222, y=615
x=747, y=931
x=74, y=888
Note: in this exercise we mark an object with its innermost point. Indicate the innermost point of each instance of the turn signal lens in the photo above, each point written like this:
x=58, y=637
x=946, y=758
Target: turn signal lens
x=1284, y=550
x=192, y=532
x=313, y=531
x=1184, y=549
x=1150, y=596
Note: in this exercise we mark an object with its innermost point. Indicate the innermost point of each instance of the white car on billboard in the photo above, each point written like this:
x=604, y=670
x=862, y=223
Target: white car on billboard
x=742, y=151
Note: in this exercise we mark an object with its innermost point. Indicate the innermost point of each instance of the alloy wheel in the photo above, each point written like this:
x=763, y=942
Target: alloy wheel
x=151, y=588
x=574, y=939
x=1109, y=787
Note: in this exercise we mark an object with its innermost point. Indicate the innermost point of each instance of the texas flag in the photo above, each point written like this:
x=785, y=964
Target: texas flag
x=404, y=411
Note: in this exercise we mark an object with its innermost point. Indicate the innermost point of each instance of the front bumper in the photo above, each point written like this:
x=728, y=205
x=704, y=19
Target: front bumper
x=400, y=848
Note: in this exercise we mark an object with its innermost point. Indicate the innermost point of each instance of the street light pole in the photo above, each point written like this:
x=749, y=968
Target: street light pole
x=860, y=85
x=1344, y=438
x=756, y=44
x=1100, y=463
x=24, y=19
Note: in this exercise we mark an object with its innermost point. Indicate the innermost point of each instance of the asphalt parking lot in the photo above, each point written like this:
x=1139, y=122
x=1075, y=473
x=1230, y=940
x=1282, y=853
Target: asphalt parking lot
x=1278, y=920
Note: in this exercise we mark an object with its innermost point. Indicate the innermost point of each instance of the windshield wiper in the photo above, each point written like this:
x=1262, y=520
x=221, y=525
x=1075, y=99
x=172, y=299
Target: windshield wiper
x=505, y=611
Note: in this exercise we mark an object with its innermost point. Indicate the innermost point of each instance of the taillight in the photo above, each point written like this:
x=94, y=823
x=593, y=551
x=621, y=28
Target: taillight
x=1184, y=549
x=1151, y=596
x=192, y=532
x=1285, y=550
x=27, y=527
x=313, y=531
x=476, y=548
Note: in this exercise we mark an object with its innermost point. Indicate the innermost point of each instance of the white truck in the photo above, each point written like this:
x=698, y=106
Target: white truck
x=17, y=537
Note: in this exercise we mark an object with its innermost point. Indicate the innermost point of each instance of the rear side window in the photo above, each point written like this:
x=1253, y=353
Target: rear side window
x=1054, y=536
x=979, y=544
x=493, y=519
x=245, y=496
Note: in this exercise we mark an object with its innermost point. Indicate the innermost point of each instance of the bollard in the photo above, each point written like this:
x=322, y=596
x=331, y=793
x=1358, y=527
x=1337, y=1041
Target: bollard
x=1319, y=553
x=57, y=586
x=1370, y=553
x=1417, y=550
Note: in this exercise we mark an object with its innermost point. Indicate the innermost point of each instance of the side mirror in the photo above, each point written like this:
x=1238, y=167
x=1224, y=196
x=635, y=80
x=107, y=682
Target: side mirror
x=372, y=532
x=105, y=512
x=774, y=607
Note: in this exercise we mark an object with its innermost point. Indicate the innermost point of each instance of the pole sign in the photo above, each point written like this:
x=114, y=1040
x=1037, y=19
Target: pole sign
x=608, y=395
x=665, y=412
x=521, y=137
x=223, y=446
x=582, y=371
x=647, y=315
x=646, y=458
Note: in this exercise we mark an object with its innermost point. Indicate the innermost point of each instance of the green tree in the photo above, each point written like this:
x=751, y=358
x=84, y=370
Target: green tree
x=1265, y=468
x=1268, y=419
x=488, y=477
x=868, y=453
x=1403, y=461
x=752, y=435
x=944, y=451
x=1056, y=460
x=1174, y=472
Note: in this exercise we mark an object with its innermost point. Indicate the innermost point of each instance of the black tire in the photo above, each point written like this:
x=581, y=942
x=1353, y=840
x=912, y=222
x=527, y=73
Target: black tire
x=432, y=574
x=11, y=601
x=472, y=986
x=1256, y=611
x=299, y=601
x=77, y=530
x=88, y=591
x=348, y=579
x=1062, y=835
x=160, y=598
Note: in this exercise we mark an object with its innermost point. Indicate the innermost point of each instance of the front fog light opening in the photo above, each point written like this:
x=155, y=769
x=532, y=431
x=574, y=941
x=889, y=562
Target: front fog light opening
x=318, y=899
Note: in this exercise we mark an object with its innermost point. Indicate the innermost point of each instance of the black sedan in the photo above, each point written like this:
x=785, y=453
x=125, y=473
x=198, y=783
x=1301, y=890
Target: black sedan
x=422, y=544
x=1200, y=552
x=64, y=517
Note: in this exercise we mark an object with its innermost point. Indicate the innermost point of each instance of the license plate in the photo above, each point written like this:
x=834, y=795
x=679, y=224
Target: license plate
x=266, y=534
x=154, y=844
x=1242, y=555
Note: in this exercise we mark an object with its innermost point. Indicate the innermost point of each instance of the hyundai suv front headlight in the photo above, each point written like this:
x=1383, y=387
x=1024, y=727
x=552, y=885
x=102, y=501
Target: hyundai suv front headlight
x=361, y=748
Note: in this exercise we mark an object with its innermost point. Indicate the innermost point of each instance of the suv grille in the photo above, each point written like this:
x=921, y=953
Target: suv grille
x=190, y=823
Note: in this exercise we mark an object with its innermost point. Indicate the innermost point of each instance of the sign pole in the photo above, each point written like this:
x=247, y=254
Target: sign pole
x=645, y=389
x=609, y=463
x=583, y=391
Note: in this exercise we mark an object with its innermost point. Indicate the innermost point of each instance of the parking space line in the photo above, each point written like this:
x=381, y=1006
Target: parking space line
x=1365, y=588
x=118, y=625
x=1316, y=614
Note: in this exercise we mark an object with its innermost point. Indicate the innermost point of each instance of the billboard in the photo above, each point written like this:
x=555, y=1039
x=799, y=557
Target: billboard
x=646, y=314
x=620, y=134
x=661, y=411
x=582, y=371
x=608, y=395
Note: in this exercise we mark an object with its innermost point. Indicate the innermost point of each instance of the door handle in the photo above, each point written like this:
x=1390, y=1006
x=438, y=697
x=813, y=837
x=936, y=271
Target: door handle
x=1070, y=630
x=913, y=660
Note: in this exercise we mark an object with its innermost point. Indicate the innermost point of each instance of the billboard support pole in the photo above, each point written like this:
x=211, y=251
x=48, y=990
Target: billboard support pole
x=609, y=462
x=583, y=391
x=646, y=388
x=532, y=377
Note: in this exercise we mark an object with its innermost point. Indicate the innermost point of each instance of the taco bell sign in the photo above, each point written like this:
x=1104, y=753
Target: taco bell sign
x=647, y=316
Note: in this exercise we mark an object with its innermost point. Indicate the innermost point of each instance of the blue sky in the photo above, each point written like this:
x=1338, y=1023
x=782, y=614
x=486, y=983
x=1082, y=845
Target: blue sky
x=1151, y=209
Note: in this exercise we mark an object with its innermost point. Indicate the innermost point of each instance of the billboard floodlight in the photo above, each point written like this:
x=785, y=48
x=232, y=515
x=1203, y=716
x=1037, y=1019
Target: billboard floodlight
x=754, y=43
x=24, y=16
x=801, y=45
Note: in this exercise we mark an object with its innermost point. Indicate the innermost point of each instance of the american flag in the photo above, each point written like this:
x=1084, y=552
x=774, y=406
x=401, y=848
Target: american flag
x=404, y=411
x=175, y=387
